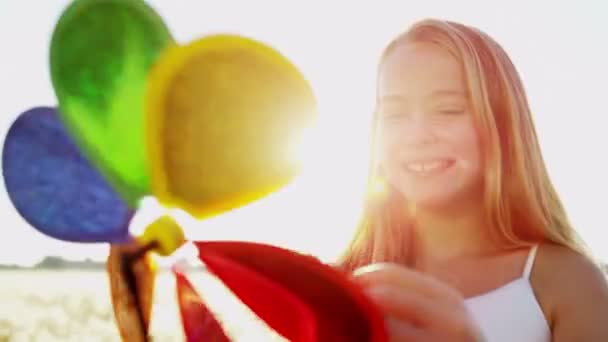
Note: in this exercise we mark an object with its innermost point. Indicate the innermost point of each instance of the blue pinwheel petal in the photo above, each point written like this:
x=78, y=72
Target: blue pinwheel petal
x=55, y=188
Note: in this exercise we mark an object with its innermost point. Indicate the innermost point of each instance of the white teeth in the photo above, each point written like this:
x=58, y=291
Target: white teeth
x=427, y=166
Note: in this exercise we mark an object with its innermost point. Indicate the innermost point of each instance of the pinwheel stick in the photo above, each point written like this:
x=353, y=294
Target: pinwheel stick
x=163, y=236
x=127, y=263
x=131, y=258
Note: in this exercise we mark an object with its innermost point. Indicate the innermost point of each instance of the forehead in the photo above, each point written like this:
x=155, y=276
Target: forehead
x=420, y=70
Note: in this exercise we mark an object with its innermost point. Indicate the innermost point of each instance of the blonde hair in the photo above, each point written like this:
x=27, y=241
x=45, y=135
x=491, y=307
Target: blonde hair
x=519, y=199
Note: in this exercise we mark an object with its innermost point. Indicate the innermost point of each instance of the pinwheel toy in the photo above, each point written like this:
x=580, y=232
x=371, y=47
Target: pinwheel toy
x=206, y=127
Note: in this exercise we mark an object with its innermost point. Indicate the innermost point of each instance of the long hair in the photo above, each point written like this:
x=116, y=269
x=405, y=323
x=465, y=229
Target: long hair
x=520, y=201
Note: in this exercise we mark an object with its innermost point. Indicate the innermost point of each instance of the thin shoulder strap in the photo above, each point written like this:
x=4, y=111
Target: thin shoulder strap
x=530, y=261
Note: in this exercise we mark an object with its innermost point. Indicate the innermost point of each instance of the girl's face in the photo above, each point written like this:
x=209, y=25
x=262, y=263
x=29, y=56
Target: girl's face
x=429, y=147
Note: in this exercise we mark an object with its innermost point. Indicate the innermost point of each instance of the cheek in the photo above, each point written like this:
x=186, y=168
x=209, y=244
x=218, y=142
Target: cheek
x=390, y=140
x=466, y=144
x=387, y=150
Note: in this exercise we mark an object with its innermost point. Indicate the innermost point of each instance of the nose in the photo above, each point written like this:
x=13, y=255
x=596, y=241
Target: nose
x=419, y=130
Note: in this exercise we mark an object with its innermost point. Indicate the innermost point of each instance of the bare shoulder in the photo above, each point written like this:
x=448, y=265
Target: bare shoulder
x=573, y=291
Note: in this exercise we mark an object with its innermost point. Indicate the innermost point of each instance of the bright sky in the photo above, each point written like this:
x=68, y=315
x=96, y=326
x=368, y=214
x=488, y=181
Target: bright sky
x=560, y=50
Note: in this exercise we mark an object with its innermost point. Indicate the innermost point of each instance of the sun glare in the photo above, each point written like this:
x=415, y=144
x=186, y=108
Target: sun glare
x=315, y=214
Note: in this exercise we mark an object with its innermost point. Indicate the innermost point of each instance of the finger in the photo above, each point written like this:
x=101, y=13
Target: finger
x=406, y=279
x=399, y=331
x=424, y=312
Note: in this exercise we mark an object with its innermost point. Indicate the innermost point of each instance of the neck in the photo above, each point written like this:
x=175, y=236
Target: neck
x=441, y=235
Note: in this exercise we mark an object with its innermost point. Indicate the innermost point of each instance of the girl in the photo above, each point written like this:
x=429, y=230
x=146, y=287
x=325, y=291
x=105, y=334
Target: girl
x=470, y=238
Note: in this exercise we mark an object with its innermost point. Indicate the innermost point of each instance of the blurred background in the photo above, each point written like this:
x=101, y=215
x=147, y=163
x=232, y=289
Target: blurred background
x=57, y=291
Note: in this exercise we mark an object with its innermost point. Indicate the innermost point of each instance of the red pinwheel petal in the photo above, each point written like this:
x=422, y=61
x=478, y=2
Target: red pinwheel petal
x=293, y=292
x=283, y=311
x=200, y=325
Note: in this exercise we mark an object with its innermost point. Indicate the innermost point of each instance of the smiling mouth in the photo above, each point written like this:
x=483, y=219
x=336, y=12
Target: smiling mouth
x=428, y=166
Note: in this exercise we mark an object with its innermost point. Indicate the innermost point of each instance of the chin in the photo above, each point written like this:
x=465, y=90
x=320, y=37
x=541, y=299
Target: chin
x=441, y=201
x=438, y=195
x=430, y=203
x=430, y=199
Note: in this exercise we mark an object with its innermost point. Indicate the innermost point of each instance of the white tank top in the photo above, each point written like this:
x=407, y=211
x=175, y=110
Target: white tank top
x=511, y=312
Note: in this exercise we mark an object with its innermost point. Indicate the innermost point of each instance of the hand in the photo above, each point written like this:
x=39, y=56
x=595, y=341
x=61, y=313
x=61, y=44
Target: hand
x=417, y=307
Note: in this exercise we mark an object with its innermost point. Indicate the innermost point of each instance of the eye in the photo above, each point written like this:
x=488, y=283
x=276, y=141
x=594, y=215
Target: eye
x=450, y=109
x=392, y=116
x=391, y=112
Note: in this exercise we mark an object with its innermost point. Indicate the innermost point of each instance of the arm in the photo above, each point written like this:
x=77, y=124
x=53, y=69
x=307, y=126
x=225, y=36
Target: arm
x=577, y=291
